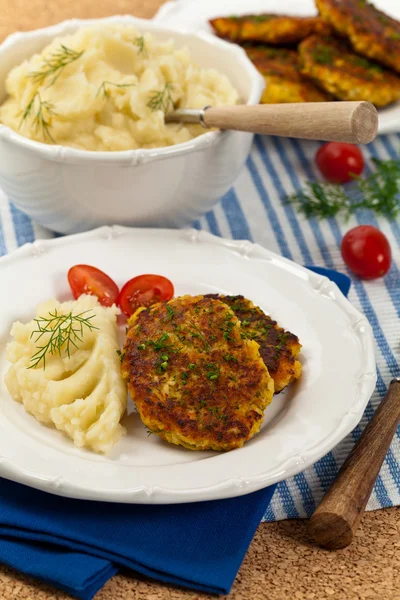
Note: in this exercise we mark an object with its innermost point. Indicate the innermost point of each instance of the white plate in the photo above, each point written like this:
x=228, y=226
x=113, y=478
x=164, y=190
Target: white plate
x=193, y=15
x=300, y=426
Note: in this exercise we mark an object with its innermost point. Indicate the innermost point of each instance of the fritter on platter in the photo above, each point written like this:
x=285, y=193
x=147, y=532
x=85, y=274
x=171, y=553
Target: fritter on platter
x=339, y=71
x=371, y=32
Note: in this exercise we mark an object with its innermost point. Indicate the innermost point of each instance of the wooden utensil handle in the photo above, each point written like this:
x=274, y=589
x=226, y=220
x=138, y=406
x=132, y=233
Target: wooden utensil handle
x=355, y=122
x=334, y=523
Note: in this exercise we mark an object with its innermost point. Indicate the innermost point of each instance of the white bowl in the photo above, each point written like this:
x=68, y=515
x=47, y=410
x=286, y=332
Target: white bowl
x=71, y=190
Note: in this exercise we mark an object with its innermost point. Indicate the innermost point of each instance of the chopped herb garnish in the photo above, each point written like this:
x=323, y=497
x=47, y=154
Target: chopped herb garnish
x=323, y=55
x=121, y=355
x=54, y=65
x=191, y=366
x=104, y=90
x=230, y=358
x=141, y=346
x=198, y=334
x=160, y=344
x=141, y=46
x=40, y=120
x=64, y=332
x=161, y=99
x=170, y=311
x=261, y=18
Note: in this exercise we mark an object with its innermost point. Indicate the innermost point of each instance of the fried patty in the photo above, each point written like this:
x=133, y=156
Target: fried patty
x=339, y=71
x=284, y=82
x=267, y=28
x=278, y=348
x=195, y=380
x=371, y=32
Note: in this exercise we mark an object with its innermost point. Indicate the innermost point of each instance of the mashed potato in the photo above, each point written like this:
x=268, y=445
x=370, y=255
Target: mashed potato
x=83, y=394
x=107, y=89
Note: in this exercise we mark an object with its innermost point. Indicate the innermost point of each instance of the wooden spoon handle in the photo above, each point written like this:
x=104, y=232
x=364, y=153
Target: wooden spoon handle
x=354, y=122
x=334, y=523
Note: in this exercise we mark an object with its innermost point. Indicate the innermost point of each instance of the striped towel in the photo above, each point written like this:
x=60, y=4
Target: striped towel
x=253, y=210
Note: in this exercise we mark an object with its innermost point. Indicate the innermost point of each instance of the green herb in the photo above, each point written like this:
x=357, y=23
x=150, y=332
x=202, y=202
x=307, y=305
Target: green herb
x=160, y=344
x=149, y=432
x=228, y=326
x=170, y=311
x=230, y=358
x=39, y=111
x=185, y=377
x=359, y=61
x=378, y=192
x=192, y=366
x=64, y=332
x=213, y=371
x=141, y=346
x=106, y=93
x=198, y=333
x=162, y=99
x=121, y=355
x=395, y=35
x=261, y=18
x=323, y=55
x=140, y=43
x=203, y=403
x=54, y=65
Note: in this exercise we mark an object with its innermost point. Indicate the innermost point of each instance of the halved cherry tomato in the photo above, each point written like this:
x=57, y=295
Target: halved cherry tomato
x=144, y=290
x=366, y=251
x=338, y=161
x=85, y=279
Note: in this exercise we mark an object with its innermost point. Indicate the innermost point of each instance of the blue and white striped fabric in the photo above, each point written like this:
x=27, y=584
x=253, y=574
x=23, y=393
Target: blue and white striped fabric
x=253, y=210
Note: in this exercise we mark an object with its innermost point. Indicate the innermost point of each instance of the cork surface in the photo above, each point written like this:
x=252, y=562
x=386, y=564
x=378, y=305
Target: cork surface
x=282, y=563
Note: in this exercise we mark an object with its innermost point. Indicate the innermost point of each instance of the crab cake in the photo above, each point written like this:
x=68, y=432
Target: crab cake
x=337, y=70
x=371, y=32
x=284, y=82
x=278, y=348
x=268, y=28
x=195, y=380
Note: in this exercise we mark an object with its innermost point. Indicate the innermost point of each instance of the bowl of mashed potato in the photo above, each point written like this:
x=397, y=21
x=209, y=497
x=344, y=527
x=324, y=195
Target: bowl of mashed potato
x=83, y=137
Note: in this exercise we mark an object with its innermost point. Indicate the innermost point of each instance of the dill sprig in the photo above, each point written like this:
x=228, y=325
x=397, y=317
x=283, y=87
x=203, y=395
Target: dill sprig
x=103, y=87
x=63, y=331
x=141, y=45
x=54, y=65
x=378, y=192
x=161, y=99
x=39, y=111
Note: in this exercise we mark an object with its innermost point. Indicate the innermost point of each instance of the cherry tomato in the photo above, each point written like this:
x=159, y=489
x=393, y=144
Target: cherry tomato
x=85, y=279
x=366, y=251
x=144, y=290
x=339, y=161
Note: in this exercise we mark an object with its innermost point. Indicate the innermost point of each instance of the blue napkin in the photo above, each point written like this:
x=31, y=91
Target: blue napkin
x=78, y=545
